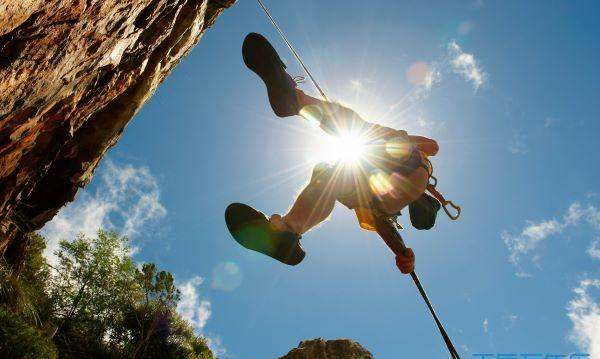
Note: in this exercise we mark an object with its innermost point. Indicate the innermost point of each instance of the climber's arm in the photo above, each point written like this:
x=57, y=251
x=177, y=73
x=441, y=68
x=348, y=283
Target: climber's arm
x=335, y=118
x=427, y=145
x=341, y=119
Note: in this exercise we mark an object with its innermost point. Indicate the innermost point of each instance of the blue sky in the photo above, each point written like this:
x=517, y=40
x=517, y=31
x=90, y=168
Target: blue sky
x=509, y=89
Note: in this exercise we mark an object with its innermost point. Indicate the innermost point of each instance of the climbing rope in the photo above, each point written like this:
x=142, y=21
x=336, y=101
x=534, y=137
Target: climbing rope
x=387, y=231
x=292, y=49
x=384, y=227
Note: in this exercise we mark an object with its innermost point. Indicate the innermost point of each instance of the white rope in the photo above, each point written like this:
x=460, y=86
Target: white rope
x=294, y=52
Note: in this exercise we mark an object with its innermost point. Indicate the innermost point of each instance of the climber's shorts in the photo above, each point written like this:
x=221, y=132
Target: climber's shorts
x=345, y=184
x=357, y=188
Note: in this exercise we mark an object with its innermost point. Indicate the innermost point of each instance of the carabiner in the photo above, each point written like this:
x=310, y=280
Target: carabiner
x=456, y=208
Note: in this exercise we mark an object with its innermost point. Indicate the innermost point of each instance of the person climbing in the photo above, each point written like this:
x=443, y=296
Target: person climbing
x=393, y=174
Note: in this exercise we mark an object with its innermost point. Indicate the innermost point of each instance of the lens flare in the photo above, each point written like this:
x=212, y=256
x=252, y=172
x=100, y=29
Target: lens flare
x=348, y=149
x=227, y=276
x=398, y=148
x=380, y=183
x=313, y=114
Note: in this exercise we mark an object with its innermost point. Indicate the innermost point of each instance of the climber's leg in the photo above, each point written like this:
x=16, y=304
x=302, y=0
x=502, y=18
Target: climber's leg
x=310, y=208
x=277, y=236
x=314, y=203
x=261, y=57
x=331, y=117
x=284, y=96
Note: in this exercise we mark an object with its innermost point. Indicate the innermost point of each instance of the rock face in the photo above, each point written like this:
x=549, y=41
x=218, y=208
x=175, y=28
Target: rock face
x=72, y=75
x=328, y=349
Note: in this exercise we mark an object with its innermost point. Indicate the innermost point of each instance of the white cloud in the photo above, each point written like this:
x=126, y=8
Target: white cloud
x=424, y=79
x=432, y=78
x=529, y=238
x=203, y=313
x=191, y=307
x=577, y=213
x=584, y=312
x=466, y=65
x=215, y=344
x=594, y=249
x=425, y=76
x=485, y=324
x=534, y=233
x=126, y=199
x=197, y=311
x=539, y=231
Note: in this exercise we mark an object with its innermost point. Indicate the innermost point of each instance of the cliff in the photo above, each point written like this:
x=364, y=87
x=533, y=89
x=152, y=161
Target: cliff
x=73, y=73
x=328, y=349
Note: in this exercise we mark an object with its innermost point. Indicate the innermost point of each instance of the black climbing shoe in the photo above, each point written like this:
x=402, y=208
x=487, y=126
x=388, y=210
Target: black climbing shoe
x=262, y=58
x=252, y=229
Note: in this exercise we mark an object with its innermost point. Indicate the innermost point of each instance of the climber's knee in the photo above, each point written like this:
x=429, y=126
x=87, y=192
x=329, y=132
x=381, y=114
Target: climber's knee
x=322, y=175
x=332, y=182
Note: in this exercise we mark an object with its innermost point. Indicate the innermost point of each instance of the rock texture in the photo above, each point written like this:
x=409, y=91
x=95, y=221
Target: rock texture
x=328, y=349
x=72, y=75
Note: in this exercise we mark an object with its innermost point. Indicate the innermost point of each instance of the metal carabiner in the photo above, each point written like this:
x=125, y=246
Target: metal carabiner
x=456, y=208
x=435, y=181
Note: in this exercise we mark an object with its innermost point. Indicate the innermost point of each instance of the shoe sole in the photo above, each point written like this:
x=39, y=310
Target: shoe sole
x=260, y=57
x=252, y=230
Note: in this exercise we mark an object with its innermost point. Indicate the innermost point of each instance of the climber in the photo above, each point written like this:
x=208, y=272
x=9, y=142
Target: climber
x=392, y=174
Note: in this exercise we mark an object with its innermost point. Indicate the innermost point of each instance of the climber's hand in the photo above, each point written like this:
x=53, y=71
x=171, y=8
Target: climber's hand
x=406, y=261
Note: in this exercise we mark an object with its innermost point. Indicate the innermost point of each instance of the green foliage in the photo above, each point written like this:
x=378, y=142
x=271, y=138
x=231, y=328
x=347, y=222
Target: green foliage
x=158, y=332
x=24, y=293
x=19, y=339
x=94, y=303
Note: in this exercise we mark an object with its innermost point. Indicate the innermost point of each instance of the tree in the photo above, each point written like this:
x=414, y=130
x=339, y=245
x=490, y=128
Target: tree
x=24, y=293
x=24, y=306
x=95, y=303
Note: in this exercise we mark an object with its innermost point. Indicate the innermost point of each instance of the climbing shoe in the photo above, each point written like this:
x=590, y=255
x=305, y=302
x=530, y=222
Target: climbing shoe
x=252, y=229
x=261, y=57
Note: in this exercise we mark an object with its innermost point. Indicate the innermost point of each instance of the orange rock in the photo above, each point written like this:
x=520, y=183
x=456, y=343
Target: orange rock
x=72, y=74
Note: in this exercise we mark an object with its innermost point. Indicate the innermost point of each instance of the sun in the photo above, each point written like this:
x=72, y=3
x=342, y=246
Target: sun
x=348, y=148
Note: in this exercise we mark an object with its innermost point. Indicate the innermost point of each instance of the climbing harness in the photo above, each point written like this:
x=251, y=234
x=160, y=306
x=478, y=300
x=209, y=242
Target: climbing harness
x=385, y=225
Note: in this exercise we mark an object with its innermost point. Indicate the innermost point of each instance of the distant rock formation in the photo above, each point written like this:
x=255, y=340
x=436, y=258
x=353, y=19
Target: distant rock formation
x=328, y=349
x=72, y=75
